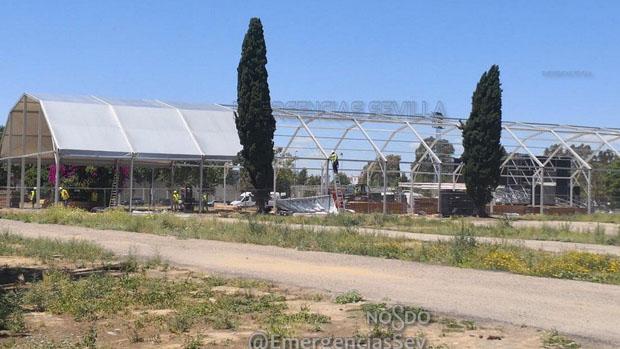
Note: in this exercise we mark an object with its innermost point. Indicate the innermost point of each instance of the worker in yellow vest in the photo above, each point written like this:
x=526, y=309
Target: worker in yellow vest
x=64, y=195
x=33, y=196
x=205, y=200
x=333, y=157
x=176, y=200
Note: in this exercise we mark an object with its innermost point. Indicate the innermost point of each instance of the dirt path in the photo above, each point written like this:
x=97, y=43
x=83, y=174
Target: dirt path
x=579, y=308
x=551, y=246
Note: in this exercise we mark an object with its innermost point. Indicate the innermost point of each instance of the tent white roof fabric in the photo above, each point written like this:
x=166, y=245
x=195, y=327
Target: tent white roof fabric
x=148, y=130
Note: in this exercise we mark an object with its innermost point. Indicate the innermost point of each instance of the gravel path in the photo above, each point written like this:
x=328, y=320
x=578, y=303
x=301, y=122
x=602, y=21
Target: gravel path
x=579, y=308
x=551, y=246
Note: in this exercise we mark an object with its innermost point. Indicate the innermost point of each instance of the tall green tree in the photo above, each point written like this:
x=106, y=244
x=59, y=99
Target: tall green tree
x=302, y=176
x=483, y=151
x=444, y=151
x=254, y=119
x=612, y=184
x=376, y=174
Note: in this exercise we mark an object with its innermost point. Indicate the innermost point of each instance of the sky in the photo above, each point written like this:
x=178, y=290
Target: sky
x=558, y=59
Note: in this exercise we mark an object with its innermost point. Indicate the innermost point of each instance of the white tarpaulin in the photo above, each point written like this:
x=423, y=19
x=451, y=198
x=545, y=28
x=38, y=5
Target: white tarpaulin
x=95, y=127
x=311, y=204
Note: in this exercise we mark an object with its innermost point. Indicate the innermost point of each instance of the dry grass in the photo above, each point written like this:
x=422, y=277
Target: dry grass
x=462, y=251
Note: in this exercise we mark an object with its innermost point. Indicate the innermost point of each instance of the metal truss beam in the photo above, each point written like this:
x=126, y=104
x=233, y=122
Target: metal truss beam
x=294, y=135
x=429, y=150
x=606, y=142
x=369, y=139
x=572, y=151
x=521, y=145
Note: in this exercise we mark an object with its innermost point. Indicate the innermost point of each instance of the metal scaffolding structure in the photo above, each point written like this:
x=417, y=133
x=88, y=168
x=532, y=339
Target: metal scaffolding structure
x=365, y=139
x=381, y=148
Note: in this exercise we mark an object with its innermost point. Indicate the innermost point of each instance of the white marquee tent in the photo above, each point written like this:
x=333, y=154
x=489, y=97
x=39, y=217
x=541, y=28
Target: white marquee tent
x=88, y=128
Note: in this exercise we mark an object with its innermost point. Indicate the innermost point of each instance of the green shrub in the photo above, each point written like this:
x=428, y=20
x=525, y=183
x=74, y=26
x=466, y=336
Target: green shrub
x=193, y=342
x=11, y=315
x=554, y=340
x=462, y=245
x=181, y=322
x=352, y=296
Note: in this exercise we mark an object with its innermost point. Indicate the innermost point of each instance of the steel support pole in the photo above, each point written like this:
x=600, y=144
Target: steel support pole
x=570, y=194
x=322, y=177
x=412, y=203
x=8, y=182
x=117, y=170
x=439, y=188
x=22, y=180
x=201, y=176
x=57, y=182
x=225, y=174
x=542, y=192
x=39, y=143
x=37, y=193
x=151, y=194
x=384, y=187
x=326, y=178
x=131, y=184
x=589, y=188
x=533, y=192
x=275, y=194
x=171, y=185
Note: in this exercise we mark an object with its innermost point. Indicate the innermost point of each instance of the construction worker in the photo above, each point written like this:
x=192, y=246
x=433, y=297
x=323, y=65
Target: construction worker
x=205, y=201
x=333, y=157
x=64, y=195
x=176, y=199
x=33, y=196
x=94, y=197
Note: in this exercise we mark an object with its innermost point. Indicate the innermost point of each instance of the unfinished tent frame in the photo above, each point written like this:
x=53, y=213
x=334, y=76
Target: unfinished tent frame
x=90, y=130
x=369, y=139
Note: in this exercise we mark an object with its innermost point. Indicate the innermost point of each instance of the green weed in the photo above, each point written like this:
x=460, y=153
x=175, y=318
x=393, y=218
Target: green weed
x=462, y=250
x=352, y=296
x=11, y=314
x=554, y=340
x=47, y=250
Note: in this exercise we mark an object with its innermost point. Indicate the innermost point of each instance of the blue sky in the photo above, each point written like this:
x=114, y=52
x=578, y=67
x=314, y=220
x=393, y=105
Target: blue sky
x=337, y=51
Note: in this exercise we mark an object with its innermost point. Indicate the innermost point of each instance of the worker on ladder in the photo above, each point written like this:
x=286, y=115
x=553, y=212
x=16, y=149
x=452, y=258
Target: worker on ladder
x=64, y=195
x=176, y=199
x=333, y=157
x=33, y=196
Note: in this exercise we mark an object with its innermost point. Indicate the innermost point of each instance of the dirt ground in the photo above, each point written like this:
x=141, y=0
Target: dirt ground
x=131, y=330
x=502, y=297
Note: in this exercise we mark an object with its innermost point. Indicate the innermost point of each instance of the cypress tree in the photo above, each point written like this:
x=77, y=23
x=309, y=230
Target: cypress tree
x=483, y=152
x=254, y=119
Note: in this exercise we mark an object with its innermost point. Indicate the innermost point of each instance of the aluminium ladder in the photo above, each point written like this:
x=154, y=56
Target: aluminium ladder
x=115, y=182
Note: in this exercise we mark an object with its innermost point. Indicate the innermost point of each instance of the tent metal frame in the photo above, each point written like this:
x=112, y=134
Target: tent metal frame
x=522, y=139
x=528, y=138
